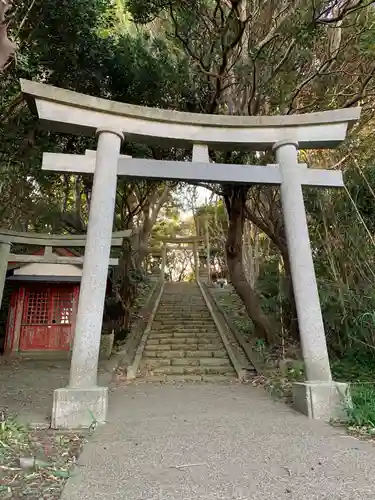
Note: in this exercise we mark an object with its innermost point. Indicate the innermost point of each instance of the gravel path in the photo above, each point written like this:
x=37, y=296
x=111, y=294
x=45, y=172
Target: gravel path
x=206, y=442
x=27, y=385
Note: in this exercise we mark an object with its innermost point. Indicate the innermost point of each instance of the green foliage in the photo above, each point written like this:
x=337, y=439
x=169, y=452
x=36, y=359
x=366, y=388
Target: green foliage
x=356, y=365
x=362, y=413
x=77, y=45
x=11, y=432
x=145, y=11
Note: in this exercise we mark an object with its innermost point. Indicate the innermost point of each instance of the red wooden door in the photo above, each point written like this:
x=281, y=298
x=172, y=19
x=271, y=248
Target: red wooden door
x=47, y=319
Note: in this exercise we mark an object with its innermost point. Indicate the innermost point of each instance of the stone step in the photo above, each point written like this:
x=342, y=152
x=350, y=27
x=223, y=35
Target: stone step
x=184, y=347
x=214, y=344
x=176, y=318
x=205, y=362
x=148, y=353
x=170, y=340
x=186, y=322
x=157, y=325
x=174, y=354
x=191, y=370
x=202, y=353
x=183, y=321
x=154, y=362
x=185, y=362
x=202, y=326
x=184, y=331
x=184, y=311
x=208, y=363
x=187, y=299
x=224, y=379
x=184, y=335
x=187, y=309
x=196, y=333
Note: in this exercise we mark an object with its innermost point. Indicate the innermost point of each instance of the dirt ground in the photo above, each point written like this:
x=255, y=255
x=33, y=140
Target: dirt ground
x=27, y=385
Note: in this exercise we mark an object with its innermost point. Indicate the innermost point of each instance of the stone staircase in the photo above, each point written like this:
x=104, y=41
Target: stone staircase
x=184, y=343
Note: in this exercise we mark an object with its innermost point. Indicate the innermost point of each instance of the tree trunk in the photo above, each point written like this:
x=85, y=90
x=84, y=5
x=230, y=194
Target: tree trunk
x=236, y=212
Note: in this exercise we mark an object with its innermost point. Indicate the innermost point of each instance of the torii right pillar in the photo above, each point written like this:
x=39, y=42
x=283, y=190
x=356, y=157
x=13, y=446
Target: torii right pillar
x=318, y=397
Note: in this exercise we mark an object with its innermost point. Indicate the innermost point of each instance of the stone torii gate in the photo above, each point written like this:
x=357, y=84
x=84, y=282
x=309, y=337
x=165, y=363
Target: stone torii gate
x=184, y=240
x=66, y=111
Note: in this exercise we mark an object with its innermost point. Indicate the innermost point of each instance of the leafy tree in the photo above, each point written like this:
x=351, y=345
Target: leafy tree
x=269, y=58
x=83, y=46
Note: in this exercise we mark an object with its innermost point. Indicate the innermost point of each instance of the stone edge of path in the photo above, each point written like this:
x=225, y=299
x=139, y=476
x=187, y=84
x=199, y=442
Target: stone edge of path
x=255, y=358
x=126, y=355
x=235, y=352
x=153, y=305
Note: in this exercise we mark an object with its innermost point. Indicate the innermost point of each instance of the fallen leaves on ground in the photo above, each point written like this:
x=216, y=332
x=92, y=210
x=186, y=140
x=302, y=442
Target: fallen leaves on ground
x=34, y=464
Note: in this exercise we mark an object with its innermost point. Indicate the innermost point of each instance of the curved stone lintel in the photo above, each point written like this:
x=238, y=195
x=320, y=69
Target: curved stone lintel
x=67, y=111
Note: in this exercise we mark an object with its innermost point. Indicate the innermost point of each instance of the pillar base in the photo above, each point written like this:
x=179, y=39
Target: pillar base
x=79, y=408
x=322, y=400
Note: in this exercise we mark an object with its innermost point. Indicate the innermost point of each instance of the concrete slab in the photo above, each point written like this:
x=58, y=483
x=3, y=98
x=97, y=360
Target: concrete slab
x=208, y=442
x=321, y=400
x=79, y=408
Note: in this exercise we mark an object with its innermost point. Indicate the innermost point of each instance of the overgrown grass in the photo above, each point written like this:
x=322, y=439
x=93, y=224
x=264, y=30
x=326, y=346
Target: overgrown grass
x=358, y=368
x=362, y=414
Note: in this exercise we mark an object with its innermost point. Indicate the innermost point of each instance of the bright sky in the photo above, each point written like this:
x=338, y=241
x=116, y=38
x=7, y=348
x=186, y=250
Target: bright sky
x=203, y=195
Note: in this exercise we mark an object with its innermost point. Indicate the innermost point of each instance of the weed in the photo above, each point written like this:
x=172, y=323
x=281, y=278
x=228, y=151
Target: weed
x=12, y=435
x=361, y=414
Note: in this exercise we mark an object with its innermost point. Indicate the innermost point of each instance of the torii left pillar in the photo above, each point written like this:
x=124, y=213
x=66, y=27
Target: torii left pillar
x=4, y=258
x=83, y=402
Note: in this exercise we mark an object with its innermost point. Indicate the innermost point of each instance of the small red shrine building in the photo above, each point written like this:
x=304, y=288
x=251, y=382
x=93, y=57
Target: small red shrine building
x=43, y=305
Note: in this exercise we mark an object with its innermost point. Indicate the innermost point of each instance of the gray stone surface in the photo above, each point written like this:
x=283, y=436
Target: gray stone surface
x=71, y=112
x=310, y=321
x=321, y=400
x=79, y=408
x=239, y=444
x=193, y=171
x=88, y=328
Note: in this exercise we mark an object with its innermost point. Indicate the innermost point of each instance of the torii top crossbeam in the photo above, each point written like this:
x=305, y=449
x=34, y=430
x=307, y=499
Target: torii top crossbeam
x=66, y=111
